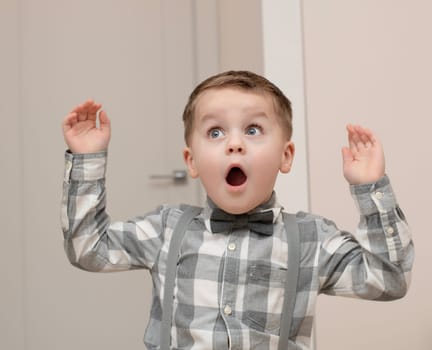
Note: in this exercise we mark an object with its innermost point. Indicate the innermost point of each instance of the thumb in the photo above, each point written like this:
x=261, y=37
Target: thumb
x=104, y=120
x=346, y=154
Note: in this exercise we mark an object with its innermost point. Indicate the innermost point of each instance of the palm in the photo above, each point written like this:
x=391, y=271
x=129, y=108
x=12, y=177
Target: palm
x=81, y=132
x=363, y=160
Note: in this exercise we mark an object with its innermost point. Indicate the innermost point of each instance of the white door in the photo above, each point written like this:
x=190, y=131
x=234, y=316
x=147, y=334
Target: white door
x=138, y=59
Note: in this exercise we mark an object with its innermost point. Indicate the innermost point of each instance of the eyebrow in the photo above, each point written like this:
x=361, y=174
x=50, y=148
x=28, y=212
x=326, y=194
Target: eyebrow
x=254, y=114
x=207, y=117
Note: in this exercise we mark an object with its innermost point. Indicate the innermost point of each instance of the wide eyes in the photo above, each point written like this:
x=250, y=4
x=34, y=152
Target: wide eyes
x=251, y=130
x=214, y=133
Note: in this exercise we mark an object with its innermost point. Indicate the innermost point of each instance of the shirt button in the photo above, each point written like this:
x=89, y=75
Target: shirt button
x=227, y=310
x=232, y=246
x=378, y=195
x=390, y=230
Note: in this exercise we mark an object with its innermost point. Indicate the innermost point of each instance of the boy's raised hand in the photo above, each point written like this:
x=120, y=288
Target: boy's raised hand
x=81, y=132
x=363, y=159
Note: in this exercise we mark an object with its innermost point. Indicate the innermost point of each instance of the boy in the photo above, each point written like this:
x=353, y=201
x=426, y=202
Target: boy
x=230, y=281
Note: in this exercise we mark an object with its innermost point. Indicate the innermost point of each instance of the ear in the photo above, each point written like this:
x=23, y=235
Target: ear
x=190, y=163
x=287, y=157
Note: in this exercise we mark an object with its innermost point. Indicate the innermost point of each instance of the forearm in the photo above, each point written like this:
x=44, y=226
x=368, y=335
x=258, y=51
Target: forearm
x=383, y=228
x=375, y=263
x=91, y=243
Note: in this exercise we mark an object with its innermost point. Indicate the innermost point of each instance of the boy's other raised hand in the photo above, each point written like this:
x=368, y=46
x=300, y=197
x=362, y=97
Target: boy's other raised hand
x=363, y=159
x=81, y=133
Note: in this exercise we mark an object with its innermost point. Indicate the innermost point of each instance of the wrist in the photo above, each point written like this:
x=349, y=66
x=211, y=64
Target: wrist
x=86, y=152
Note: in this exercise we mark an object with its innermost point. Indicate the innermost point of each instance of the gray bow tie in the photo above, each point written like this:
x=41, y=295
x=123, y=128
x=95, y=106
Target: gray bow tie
x=261, y=222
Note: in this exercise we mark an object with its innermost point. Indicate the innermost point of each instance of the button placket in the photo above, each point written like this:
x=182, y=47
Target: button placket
x=389, y=230
x=228, y=292
x=230, y=275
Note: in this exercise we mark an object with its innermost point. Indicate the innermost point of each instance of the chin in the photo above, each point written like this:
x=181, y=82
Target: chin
x=235, y=211
x=237, y=208
x=237, y=202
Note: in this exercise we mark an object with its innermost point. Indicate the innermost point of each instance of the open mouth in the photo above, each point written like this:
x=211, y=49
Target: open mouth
x=236, y=177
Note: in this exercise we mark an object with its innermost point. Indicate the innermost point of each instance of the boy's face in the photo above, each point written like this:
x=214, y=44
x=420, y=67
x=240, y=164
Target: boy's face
x=237, y=147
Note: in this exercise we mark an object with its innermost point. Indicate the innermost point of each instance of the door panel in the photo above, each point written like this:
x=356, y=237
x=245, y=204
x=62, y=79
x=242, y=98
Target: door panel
x=137, y=58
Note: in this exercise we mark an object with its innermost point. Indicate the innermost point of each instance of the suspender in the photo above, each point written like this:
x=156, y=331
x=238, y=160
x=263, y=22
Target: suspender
x=293, y=237
x=171, y=269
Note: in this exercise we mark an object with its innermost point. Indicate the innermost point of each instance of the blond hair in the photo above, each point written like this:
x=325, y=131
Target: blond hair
x=243, y=80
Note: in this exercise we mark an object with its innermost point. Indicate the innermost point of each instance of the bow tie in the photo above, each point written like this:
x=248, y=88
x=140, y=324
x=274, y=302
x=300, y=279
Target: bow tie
x=261, y=222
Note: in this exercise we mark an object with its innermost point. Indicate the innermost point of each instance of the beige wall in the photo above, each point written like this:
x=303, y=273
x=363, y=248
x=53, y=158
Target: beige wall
x=11, y=195
x=240, y=36
x=137, y=58
x=366, y=61
x=369, y=62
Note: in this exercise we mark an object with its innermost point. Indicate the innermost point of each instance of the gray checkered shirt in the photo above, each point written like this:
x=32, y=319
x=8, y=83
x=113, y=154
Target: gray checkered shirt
x=229, y=287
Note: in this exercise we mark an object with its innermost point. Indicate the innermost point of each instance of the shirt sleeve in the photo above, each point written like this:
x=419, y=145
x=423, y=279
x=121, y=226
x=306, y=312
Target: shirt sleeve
x=91, y=241
x=375, y=262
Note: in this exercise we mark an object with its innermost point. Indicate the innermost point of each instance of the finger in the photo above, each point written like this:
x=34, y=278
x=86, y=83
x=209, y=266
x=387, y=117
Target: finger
x=361, y=133
x=362, y=138
x=86, y=108
x=77, y=108
x=82, y=116
x=95, y=107
x=91, y=106
x=367, y=137
x=81, y=111
x=81, y=107
x=371, y=136
x=88, y=104
x=353, y=138
x=93, y=111
x=347, y=155
x=69, y=121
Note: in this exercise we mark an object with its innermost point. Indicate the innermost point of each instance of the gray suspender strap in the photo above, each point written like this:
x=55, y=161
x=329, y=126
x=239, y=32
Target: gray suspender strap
x=293, y=237
x=171, y=270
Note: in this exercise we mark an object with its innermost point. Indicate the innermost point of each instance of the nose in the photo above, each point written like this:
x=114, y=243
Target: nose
x=235, y=144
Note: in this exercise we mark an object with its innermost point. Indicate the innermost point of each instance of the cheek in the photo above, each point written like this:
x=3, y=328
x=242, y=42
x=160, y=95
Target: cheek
x=266, y=167
x=269, y=160
x=209, y=174
x=206, y=164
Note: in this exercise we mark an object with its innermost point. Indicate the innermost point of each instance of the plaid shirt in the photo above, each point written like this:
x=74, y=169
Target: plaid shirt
x=229, y=287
